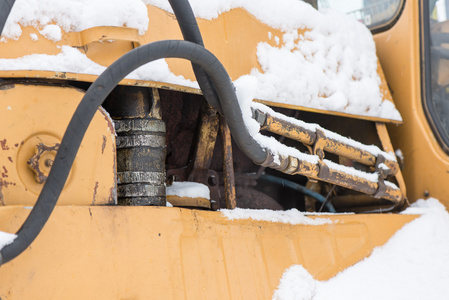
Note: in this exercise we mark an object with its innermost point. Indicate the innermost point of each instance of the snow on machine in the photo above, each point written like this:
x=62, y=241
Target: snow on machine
x=167, y=149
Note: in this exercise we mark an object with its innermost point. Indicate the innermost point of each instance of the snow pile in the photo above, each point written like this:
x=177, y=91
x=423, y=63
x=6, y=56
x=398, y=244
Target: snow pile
x=72, y=60
x=52, y=32
x=75, y=15
x=331, y=66
x=296, y=284
x=414, y=264
x=6, y=239
x=69, y=59
x=292, y=216
x=188, y=189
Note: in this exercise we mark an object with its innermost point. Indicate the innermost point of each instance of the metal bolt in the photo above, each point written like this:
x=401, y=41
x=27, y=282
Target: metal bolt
x=213, y=181
x=48, y=163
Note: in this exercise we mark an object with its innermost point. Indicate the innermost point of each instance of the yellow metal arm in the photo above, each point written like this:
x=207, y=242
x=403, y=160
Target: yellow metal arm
x=315, y=166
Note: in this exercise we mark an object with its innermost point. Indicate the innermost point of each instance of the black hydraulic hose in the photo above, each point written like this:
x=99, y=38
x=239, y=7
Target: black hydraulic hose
x=95, y=96
x=297, y=187
x=5, y=9
x=191, y=32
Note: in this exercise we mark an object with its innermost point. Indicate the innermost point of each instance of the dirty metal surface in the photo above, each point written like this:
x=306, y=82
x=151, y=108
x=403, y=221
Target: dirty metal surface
x=228, y=165
x=141, y=146
x=34, y=118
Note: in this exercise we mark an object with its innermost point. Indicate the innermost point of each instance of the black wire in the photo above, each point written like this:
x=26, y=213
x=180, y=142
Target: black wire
x=327, y=198
x=191, y=32
x=302, y=189
x=5, y=9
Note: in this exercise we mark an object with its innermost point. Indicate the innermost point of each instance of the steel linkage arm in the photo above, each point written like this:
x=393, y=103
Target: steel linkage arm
x=316, y=167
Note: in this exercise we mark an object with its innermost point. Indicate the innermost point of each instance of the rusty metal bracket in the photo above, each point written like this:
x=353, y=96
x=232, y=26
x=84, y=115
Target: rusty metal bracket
x=42, y=168
x=228, y=167
x=205, y=145
x=381, y=168
x=260, y=117
x=324, y=172
x=382, y=172
x=382, y=188
x=198, y=170
x=210, y=178
x=320, y=143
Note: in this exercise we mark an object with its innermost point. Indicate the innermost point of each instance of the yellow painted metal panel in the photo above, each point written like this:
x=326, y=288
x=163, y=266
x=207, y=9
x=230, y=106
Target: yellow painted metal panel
x=426, y=166
x=33, y=114
x=172, y=253
x=223, y=36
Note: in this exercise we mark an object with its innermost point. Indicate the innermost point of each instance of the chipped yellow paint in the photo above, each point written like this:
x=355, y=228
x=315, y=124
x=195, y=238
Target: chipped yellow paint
x=34, y=114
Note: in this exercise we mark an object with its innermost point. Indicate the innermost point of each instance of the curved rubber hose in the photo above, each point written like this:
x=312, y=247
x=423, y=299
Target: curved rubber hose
x=191, y=32
x=95, y=96
x=302, y=189
x=5, y=9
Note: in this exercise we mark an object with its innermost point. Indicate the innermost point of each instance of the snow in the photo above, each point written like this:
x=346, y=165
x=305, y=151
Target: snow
x=292, y=216
x=69, y=59
x=374, y=150
x=52, y=32
x=245, y=88
x=399, y=154
x=75, y=15
x=331, y=66
x=373, y=177
x=6, y=239
x=188, y=189
x=72, y=59
x=296, y=284
x=413, y=264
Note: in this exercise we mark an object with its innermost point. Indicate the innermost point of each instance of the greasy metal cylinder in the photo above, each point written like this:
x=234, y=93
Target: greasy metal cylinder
x=141, y=147
x=140, y=162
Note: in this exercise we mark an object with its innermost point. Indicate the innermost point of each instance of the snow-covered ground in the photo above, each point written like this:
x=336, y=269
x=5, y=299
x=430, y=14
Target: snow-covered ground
x=413, y=264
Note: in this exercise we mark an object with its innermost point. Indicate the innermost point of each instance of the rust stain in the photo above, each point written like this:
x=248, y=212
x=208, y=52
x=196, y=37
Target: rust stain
x=10, y=159
x=5, y=184
x=113, y=190
x=95, y=193
x=2, y=202
x=3, y=145
x=4, y=173
x=35, y=161
x=109, y=122
x=103, y=145
x=112, y=195
x=7, y=86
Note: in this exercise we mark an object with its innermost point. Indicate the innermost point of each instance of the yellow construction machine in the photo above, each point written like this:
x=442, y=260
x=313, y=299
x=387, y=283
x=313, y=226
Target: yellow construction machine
x=143, y=142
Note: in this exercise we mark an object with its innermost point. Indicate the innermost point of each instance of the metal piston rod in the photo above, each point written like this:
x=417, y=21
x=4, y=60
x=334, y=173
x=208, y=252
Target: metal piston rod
x=316, y=167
